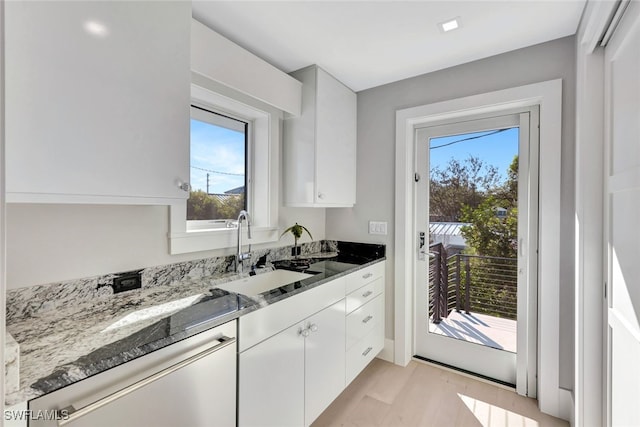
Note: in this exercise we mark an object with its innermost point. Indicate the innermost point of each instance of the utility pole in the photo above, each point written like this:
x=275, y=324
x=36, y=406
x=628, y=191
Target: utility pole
x=207, y=183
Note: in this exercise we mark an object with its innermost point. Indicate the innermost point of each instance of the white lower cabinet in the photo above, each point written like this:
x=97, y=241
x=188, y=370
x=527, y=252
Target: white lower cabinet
x=324, y=373
x=299, y=354
x=290, y=378
x=271, y=381
x=365, y=318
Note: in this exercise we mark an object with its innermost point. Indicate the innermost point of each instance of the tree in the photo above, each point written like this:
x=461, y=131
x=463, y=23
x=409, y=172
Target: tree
x=493, y=279
x=488, y=234
x=231, y=206
x=203, y=206
x=509, y=191
x=461, y=183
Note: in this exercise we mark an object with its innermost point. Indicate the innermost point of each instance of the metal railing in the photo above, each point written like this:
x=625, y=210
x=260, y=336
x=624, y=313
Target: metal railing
x=481, y=284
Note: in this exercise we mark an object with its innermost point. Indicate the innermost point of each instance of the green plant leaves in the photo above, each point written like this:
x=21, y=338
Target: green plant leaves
x=296, y=230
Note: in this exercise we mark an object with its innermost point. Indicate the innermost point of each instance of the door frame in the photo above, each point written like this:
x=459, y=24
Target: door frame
x=548, y=95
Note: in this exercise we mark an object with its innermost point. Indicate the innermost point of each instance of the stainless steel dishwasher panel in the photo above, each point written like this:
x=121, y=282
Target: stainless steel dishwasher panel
x=190, y=383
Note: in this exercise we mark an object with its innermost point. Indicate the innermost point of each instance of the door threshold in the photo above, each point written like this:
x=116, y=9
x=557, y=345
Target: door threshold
x=502, y=384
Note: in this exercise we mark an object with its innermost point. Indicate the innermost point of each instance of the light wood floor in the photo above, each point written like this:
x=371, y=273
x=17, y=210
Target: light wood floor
x=421, y=394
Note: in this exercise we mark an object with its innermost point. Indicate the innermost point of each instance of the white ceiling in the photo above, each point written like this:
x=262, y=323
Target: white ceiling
x=370, y=43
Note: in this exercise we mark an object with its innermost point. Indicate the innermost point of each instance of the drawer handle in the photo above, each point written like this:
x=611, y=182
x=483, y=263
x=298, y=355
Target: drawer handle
x=73, y=414
x=367, y=294
x=367, y=351
x=366, y=276
x=366, y=319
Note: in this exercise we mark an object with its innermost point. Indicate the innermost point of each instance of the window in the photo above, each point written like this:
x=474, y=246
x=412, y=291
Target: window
x=218, y=169
x=256, y=126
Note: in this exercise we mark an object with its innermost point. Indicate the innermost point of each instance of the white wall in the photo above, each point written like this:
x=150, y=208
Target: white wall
x=376, y=155
x=49, y=243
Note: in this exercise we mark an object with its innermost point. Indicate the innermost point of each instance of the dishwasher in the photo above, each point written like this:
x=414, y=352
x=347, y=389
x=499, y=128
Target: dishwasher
x=188, y=383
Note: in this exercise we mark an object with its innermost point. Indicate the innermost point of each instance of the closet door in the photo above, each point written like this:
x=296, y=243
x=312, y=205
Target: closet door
x=622, y=206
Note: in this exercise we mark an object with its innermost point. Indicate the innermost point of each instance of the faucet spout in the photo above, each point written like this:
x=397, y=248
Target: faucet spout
x=242, y=256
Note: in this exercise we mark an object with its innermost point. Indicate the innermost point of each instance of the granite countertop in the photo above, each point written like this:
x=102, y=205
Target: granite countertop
x=67, y=345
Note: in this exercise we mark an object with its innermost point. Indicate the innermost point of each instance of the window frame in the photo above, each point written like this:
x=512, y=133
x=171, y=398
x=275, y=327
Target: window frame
x=264, y=133
x=210, y=115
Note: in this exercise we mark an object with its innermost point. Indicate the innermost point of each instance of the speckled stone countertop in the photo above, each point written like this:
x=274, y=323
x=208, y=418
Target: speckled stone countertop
x=75, y=342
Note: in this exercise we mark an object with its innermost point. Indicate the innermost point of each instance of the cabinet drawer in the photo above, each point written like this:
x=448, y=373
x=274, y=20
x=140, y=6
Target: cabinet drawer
x=261, y=324
x=366, y=275
x=363, y=320
x=365, y=294
x=363, y=352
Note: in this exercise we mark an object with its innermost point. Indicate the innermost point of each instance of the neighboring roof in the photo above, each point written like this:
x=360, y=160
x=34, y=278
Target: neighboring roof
x=223, y=197
x=446, y=228
x=447, y=233
x=237, y=190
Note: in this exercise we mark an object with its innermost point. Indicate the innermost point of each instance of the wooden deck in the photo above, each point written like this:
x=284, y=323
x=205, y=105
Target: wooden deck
x=479, y=329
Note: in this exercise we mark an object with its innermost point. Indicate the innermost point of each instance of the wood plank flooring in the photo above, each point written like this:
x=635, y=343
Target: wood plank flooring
x=421, y=394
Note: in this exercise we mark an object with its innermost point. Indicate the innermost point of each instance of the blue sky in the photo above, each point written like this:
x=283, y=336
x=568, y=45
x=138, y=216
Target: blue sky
x=497, y=150
x=225, y=155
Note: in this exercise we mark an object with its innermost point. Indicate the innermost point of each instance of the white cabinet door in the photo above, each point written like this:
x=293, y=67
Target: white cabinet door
x=97, y=101
x=271, y=381
x=320, y=146
x=324, y=359
x=335, y=146
x=622, y=202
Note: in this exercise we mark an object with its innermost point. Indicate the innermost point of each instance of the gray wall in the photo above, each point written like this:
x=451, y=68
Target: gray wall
x=376, y=156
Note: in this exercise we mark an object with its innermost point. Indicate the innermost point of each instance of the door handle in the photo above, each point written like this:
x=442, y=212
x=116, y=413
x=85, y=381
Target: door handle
x=73, y=414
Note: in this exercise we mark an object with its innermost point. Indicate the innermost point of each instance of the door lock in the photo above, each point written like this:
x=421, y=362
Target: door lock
x=422, y=253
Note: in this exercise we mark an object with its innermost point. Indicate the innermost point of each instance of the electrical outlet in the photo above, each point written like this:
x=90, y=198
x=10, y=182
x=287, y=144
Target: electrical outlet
x=127, y=281
x=378, y=227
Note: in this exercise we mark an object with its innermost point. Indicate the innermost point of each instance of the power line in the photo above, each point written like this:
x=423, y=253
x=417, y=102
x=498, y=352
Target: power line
x=218, y=172
x=467, y=139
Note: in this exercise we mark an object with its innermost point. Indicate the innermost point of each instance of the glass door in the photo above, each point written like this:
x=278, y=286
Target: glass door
x=473, y=206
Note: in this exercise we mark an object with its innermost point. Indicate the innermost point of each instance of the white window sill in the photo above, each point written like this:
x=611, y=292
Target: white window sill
x=205, y=240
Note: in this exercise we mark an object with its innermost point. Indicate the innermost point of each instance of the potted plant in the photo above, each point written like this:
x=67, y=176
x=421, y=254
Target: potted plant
x=296, y=230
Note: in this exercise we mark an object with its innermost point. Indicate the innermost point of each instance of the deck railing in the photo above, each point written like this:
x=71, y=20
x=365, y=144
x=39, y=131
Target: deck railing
x=471, y=283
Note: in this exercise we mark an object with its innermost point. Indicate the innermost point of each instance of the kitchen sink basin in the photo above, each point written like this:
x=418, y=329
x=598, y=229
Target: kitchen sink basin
x=254, y=285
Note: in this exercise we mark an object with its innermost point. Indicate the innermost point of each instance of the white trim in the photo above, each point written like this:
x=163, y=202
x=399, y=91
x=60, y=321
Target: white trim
x=549, y=96
x=387, y=351
x=225, y=62
x=262, y=174
x=588, y=395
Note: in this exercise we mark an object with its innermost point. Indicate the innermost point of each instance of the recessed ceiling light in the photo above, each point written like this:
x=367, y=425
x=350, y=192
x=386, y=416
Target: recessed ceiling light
x=96, y=28
x=449, y=25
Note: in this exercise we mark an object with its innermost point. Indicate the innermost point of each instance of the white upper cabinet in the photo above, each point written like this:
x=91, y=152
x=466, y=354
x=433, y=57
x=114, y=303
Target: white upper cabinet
x=320, y=145
x=97, y=101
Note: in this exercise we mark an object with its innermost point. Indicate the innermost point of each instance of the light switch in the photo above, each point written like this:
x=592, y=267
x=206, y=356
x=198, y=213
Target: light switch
x=377, y=227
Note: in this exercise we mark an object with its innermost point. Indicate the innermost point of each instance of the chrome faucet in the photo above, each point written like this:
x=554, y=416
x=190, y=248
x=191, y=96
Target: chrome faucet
x=242, y=256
